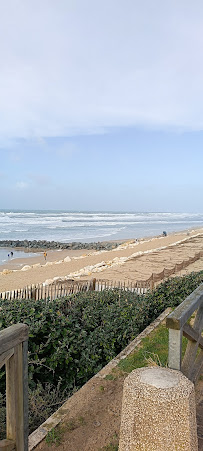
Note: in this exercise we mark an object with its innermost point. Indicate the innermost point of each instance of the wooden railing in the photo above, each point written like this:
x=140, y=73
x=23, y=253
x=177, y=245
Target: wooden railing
x=13, y=353
x=178, y=324
x=62, y=289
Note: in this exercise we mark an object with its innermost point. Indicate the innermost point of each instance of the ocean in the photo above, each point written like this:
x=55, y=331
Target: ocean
x=89, y=226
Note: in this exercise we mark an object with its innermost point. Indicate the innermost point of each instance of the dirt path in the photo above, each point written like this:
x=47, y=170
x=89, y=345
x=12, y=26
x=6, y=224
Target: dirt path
x=95, y=422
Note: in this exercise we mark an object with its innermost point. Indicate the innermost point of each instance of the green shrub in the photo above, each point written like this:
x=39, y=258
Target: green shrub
x=72, y=338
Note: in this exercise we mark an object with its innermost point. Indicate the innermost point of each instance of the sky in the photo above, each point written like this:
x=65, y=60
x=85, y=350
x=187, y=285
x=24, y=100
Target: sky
x=101, y=105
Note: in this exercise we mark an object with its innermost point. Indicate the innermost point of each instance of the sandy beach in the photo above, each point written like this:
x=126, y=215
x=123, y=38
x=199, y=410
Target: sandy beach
x=133, y=260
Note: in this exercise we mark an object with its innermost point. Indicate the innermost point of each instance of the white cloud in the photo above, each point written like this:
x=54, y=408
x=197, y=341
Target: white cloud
x=81, y=67
x=21, y=185
x=40, y=179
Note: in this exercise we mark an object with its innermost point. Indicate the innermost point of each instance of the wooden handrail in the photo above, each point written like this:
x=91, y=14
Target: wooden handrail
x=13, y=336
x=177, y=322
x=184, y=311
x=13, y=353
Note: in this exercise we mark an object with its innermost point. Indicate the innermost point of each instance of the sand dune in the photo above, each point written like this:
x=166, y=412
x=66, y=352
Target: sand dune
x=134, y=260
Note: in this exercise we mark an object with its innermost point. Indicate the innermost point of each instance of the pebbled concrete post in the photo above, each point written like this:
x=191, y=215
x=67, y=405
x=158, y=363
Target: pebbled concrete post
x=158, y=411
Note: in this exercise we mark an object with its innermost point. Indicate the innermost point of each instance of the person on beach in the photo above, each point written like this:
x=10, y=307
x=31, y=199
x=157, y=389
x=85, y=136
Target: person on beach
x=11, y=254
x=45, y=255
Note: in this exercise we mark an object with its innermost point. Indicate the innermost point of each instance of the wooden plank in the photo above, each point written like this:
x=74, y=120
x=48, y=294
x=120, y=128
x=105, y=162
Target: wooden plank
x=5, y=356
x=10, y=400
x=192, y=335
x=19, y=397
x=7, y=445
x=197, y=368
x=16, y=397
x=12, y=336
x=52, y=293
x=25, y=393
x=192, y=347
x=184, y=311
x=36, y=292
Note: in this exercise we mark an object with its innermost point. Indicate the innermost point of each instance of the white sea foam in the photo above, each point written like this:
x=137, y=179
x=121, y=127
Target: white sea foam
x=91, y=226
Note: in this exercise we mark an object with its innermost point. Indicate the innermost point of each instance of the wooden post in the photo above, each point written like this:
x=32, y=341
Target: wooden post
x=33, y=292
x=10, y=399
x=17, y=397
x=175, y=349
x=152, y=283
x=25, y=393
x=93, y=284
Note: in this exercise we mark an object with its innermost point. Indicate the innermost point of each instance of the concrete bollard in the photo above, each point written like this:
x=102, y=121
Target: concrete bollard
x=158, y=411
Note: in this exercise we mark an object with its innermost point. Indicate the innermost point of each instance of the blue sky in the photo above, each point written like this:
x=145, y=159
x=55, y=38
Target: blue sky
x=101, y=105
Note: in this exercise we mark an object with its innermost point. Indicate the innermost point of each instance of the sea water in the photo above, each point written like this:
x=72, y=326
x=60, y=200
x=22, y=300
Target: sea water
x=6, y=256
x=89, y=226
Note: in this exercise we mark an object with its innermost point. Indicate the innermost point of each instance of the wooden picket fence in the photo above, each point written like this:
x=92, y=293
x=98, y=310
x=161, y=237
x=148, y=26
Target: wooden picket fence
x=166, y=273
x=61, y=289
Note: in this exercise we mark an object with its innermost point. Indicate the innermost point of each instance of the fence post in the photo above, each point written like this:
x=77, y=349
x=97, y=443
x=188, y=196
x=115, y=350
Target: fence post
x=33, y=292
x=93, y=284
x=17, y=397
x=175, y=349
x=152, y=282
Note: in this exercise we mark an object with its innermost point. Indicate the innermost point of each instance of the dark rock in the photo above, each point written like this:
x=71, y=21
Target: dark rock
x=43, y=244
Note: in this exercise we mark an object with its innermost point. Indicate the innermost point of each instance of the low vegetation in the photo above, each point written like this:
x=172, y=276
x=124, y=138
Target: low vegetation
x=73, y=338
x=153, y=352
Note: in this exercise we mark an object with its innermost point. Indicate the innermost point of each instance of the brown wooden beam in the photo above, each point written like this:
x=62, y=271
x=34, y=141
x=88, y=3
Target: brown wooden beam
x=13, y=336
x=192, y=335
x=7, y=445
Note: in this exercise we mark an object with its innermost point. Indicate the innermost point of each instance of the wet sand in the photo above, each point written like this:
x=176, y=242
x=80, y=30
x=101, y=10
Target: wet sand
x=52, y=255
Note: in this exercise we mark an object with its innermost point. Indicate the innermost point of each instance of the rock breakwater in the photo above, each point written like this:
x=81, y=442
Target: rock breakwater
x=43, y=244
